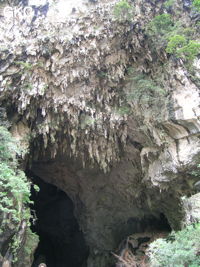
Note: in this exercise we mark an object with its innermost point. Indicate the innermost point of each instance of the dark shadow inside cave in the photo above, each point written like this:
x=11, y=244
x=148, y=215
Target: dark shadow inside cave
x=61, y=242
x=140, y=232
x=142, y=227
x=149, y=223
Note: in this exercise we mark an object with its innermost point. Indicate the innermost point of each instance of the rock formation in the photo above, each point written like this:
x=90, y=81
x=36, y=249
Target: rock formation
x=127, y=160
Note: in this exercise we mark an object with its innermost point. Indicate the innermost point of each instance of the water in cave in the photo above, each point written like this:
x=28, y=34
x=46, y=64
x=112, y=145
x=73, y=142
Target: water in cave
x=61, y=242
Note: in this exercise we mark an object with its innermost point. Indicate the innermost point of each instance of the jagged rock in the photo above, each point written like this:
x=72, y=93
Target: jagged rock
x=65, y=86
x=192, y=208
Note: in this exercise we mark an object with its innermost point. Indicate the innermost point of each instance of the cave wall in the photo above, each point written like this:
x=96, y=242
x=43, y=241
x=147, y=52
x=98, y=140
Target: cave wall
x=64, y=86
x=109, y=207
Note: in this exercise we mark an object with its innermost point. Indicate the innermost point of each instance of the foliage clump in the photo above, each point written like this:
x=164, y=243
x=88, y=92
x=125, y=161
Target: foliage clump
x=123, y=11
x=143, y=89
x=13, y=183
x=174, y=37
x=196, y=4
x=176, y=42
x=182, y=48
x=179, y=249
x=8, y=147
x=159, y=28
x=14, y=190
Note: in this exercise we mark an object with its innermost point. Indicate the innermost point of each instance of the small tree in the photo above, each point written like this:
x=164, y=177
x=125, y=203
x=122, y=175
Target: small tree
x=180, y=249
x=123, y=11
x=160, y=25
x=180, y=47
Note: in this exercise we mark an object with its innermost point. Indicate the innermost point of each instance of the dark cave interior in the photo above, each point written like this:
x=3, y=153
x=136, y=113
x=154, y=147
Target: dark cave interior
x=140, y=233
x=61, y=242
x=149, y=223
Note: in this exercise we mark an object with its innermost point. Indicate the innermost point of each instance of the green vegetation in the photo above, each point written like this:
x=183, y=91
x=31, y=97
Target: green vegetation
x=14, y=187
x=102, y=74
x=180, y=47
x=14, y=190
x=123, y=110
x=160, y=26
x=176, y=42
x=123, y=11
x=28, y=67
x=169, y=3
x=159, y=30
x=143, y=89
x=27, y=86
x=180, y=249
x=174, y=37
x=165, y=33
x=8, y=147
x=196, y=4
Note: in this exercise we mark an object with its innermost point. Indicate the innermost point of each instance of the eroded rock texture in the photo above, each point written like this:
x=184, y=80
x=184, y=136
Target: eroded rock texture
x=67, y=89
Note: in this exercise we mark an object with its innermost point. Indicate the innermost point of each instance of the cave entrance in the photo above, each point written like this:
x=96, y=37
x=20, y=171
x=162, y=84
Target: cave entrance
x=61, y=242
x=149, y=223
x=145, y=231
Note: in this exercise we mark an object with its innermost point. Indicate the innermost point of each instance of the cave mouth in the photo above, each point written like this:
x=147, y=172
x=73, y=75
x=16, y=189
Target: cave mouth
x=149, y=223
x=141, y=232
x=61, y=243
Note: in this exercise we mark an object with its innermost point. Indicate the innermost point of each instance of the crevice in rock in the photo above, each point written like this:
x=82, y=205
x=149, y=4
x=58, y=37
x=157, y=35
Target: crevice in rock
x=61, y=242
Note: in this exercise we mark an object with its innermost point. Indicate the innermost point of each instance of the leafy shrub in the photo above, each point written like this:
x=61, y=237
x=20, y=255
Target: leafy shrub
x=174, y=37
x=14, y=192
x=196, y=4
x=191, y=50
x=176, y=42
x=14, y=187
x=123, y=11
x=180, y=249
x=179, y=46
x=160, y=25
x=143, y=89
x=158, y=29
x=8, y=147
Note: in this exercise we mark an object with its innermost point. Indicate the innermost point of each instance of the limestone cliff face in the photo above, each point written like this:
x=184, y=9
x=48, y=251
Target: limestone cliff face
x=67, y=89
